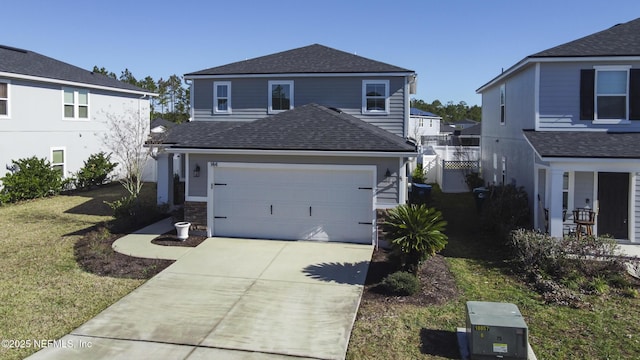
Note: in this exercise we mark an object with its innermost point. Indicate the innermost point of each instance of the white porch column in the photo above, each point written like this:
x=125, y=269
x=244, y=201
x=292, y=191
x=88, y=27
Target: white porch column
x=555, y=202
x=165, y=179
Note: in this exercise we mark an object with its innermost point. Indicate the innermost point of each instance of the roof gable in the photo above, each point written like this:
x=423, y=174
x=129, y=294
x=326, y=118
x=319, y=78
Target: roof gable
x=619, y=40
x=25, y=62
x=310, y=127
x=309, y=59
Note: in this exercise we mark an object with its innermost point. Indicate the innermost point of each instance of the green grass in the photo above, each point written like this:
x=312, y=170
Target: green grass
x=607, y=329
x=44, y=292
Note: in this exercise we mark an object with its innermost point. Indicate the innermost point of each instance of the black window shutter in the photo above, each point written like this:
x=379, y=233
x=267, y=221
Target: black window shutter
x=587, y=83
x=634, y=94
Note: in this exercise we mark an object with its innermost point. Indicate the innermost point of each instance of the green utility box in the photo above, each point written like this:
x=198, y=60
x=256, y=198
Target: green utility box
x=496, y=330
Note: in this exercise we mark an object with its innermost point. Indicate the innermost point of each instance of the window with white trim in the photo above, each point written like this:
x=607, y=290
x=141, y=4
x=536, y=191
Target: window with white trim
x=375, y=96
x=611, y=100
x=4, y=99
x=503, y=101
x=76, y=103
x=280, y=96
x=58, y=160
x=610, y=94
x=222, y=97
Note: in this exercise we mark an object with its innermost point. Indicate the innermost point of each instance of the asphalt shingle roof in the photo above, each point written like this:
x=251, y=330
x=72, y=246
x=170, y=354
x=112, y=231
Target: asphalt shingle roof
x=308, y=127
x=418, y=112
x=309, y=59
x=585, y=144
x=25, y=62
x=619, y=40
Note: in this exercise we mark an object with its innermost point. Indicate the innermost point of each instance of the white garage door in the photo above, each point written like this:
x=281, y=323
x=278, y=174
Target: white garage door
x=301, y=202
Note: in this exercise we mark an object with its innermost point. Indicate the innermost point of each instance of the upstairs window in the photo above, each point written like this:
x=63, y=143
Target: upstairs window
x=280, y=96
x=4, y=99
x=503, y=101
x=610, y=94
x=76, y=104
x=375, y=97
x=222, y=97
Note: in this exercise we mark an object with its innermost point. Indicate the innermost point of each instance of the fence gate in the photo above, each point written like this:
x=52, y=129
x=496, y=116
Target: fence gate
x=454, y=174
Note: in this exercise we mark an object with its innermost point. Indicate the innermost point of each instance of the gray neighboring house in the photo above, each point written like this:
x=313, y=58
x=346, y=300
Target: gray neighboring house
x=565, y=124
x=303, y=144
x=54, y=110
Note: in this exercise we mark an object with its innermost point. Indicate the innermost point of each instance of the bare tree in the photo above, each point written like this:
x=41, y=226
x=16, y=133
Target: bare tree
x=126, y=137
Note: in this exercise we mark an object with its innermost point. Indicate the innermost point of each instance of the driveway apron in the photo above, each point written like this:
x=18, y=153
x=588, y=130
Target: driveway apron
x=234, y=299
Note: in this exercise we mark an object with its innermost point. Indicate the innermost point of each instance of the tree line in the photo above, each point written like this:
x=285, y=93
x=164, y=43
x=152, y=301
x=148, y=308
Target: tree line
x=172, y=102
x=450, y=112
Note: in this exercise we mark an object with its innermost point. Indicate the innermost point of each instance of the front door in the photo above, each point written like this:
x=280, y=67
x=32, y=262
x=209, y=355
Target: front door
x=613, y=196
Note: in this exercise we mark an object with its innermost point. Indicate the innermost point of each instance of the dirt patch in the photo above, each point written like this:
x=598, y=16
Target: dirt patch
x=171, y=239
x=437, y=284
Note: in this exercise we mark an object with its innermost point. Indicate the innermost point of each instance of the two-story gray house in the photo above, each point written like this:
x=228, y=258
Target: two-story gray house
x=302, y=144
x=565, y=124
x=54, y=110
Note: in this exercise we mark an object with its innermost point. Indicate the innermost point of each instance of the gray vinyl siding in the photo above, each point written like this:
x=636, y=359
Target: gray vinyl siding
x=636, y=208
x=560, y=97
x=583, y=189
x=36, y=123
x=249, y=98
x=507, y=139
x=387, y=191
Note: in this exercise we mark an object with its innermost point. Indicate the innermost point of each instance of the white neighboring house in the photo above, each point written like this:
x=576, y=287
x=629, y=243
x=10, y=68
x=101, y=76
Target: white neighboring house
x=54, y=110
x=451, y=153
x=423, y=123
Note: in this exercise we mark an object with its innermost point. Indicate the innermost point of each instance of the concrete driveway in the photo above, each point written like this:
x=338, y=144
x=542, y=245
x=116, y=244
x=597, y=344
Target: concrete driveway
x=233, y=299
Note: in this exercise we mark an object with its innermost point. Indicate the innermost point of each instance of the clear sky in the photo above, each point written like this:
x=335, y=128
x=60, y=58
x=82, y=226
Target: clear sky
x=455, y=46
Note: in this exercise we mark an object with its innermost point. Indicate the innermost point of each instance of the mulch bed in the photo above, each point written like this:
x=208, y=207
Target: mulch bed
x=95, y=255
x=437, y=283
x=171, y=239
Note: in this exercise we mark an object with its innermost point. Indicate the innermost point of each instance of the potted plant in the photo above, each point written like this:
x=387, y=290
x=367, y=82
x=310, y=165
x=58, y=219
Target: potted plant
x=182, y=229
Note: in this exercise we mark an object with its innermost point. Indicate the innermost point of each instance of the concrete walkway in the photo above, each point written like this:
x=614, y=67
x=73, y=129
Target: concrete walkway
x=630, y=250
x=138, y=244
x=232, y=299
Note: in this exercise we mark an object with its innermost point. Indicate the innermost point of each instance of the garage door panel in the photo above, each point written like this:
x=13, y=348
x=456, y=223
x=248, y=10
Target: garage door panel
x=265, y=202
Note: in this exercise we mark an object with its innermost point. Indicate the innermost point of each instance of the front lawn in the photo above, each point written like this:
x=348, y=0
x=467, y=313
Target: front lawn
x=45, y=292
x=394, y=328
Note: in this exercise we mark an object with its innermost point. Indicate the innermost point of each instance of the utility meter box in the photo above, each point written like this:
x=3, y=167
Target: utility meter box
x=496, y=330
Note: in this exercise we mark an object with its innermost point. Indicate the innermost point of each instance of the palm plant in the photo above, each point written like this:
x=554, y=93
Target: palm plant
x=415, y=232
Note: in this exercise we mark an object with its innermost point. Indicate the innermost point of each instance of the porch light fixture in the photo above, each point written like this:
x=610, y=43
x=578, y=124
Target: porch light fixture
x=388, y=173
x=196, y=171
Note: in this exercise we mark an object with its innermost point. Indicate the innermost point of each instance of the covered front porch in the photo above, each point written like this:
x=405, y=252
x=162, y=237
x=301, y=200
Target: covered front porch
x=597, y=197
x=593, y=171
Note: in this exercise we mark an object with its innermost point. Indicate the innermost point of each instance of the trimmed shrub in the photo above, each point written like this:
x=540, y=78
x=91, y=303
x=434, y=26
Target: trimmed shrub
x=95, y=171
x=31, y=178
x=400, y=283
x=415, y=232
x=417, y=176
